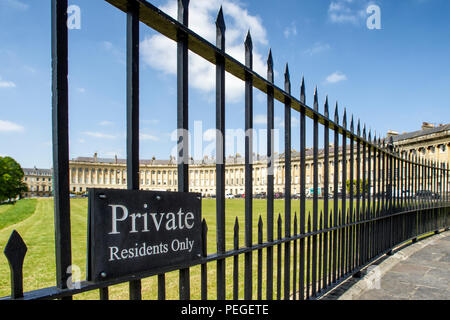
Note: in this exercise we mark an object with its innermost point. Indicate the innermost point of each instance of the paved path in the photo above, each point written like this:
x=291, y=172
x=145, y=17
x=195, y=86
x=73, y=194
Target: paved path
x=418, y=272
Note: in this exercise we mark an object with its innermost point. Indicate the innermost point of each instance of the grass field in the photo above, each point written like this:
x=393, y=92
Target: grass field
x=39, y=266
x=13, y=213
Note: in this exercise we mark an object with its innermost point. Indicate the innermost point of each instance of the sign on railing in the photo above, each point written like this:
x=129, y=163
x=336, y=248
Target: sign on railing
x=133, y=231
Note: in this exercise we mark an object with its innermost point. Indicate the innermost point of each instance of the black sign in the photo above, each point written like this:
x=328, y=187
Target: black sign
x=134, y=231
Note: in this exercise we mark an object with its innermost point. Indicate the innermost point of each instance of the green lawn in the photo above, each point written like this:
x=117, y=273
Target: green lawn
x=39, y=267
x=13, y=213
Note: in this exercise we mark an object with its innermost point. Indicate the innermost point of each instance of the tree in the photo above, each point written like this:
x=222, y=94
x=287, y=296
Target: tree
x=11, y=179
x=362, y=190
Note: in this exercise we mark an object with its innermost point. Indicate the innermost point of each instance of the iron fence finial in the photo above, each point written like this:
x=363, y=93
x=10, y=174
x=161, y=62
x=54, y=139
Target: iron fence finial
x=316, y=100
x=270, y=60
x=302, y=91
x=220, y=21
x=336, y=113
x=287, y=80
x=248, y=41
x=15, y=251
x=344, y=120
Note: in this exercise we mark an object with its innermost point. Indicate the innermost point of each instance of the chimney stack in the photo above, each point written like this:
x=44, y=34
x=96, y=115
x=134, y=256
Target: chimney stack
x=391, y=133
x=427, y=125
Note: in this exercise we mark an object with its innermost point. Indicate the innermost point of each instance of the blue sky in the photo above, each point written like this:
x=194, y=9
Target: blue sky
x=393, y=78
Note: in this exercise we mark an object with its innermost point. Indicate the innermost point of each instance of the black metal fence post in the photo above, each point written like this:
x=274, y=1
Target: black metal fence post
x=248, y=167
x=336, y=196
x=270, y=172
x=302, y=190
x=183, y=124
x=60, y=125
x=315, y=193
x=287, y=184
x=220, y=154
x=133, y=113
x=326, y=182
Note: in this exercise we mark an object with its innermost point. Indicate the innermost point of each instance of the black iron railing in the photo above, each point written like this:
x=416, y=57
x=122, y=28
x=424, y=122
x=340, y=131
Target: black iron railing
x=323, y=248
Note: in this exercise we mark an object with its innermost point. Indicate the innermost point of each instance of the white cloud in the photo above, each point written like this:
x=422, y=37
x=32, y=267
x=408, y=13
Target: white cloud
x=106, y=123
x=81, y=90
x=261, y=119
x=29, y=69
x=151, y=122
x=7, y=126
x=318, y=47
x=290, y=30
x=6, y=84
x=14, y=4
x=147, y=137
x=117, y=53
x=99, y=135
x=336, y=77
x=160, y=52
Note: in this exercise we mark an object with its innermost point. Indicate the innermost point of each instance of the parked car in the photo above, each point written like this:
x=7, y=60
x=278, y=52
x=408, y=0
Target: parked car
x=229, y=196
x=259, y=196
x=428, y=195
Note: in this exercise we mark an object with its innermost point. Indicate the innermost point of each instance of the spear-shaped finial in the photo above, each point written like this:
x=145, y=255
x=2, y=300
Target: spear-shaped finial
x=364, y=131
x=220, y=21
x=336, y=114
x=358, y=130
x=248, y=41
x=248, y=51
x=326, y=112
x=352, y=126
x=220, y=30
x=344, y=121
x=287, y=80
x=302, y=92
x=316, y=100
x=270, y=67
x=183, y=9
x=270, y=59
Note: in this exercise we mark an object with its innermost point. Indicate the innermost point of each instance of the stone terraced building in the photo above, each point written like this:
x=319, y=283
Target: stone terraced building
x=432, y=142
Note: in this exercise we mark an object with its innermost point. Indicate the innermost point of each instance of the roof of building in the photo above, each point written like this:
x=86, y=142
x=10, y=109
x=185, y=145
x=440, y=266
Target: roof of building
x=37, y=172
x=420, y=133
